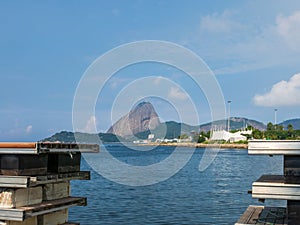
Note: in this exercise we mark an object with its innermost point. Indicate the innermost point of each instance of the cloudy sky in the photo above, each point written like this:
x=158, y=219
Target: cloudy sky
x=252, y=47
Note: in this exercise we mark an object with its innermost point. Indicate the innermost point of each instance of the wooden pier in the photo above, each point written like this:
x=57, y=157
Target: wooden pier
x=35, y=182
x=279, y=187
x=263, y=215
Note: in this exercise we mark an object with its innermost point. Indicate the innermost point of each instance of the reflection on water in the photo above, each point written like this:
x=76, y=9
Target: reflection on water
x=216, y=196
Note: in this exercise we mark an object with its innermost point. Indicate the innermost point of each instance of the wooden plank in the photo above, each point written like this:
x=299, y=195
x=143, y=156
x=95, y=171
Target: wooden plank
x=29, y=221
x=11, y=198
x=293, y=209
x=273, y=215
x=17, y=145
x=52, y=206
x=250, y=215
x=56, y=147
x=81, y=175
x=12, y=214
x=274, y=147
x=14, y=181
x=58, y=217
x=56, y=190
x=63, y=162
x=292, y=169
x=263, y=215
x=18, y=151
x=274, y=187
x=23, y=165
x=45, y=147
x=27, y=181
x=21, y=213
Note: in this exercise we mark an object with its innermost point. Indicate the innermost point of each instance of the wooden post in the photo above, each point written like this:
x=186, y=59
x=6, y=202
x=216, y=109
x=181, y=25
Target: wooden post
x=35, y=181
x=291, y=168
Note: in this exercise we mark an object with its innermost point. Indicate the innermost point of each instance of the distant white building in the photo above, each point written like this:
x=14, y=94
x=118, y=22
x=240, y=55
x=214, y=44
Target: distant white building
x=150, y=136
x=166, y=140
x=230, y=137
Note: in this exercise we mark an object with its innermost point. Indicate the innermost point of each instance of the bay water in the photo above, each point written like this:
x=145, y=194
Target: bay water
x=215, y=196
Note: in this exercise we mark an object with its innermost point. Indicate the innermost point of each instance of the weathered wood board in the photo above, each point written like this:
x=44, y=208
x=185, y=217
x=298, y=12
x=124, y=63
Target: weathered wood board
x=29, y=221
x=24, y=212
x=23, y=164
x=263, y=215
x=293, y=210
x=274, y=187
x=58, y=217
x=27, y=181
x=45, y=147
x=292, y=169
x=274, y=147
x=56, y=190
x=11, y=198
x=64, y=163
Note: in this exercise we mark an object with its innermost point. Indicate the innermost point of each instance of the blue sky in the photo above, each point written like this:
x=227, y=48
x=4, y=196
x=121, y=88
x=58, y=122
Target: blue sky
x=253, y=47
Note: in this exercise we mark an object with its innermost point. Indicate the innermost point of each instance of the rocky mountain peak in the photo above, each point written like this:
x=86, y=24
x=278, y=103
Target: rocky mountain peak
x=141, y=118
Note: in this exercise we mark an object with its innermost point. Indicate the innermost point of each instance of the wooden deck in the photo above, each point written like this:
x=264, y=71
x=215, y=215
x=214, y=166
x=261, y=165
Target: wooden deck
x=263, y=216
x=274, y=187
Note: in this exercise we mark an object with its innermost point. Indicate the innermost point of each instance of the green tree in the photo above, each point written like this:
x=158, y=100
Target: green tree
x=270, y=126
x=290, y=131
x=249, y=127
x=201, y=139
x=279, y=128
x=290, y=128
x=257, y=134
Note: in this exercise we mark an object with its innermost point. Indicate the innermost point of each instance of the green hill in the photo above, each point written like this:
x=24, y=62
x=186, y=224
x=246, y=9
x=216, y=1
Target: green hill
x=167, y=130
x=66, y=136
x=294, y=122
x=236, y=123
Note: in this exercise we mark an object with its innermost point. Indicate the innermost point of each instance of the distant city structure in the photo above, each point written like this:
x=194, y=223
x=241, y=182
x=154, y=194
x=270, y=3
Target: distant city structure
x=223, y=135
x=150, y=136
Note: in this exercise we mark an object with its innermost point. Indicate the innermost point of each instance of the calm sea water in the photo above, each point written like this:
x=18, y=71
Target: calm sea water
x=216, y=196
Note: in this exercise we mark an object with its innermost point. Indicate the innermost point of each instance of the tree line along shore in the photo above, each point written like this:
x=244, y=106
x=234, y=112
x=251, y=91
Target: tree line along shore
x=200, y=145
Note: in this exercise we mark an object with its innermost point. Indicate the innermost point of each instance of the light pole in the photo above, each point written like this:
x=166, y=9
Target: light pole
x=228, y=125
x=275, y=118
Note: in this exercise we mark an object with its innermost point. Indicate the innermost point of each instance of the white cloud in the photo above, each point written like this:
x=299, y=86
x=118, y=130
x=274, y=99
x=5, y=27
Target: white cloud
x=17, y=131
x=289, y=28
x=117, y=82
x=219, y=23
x=158, y=80
x=28, y=129
x=90, y=126
x=283, y=93
x=176, y=93
x=235, y=45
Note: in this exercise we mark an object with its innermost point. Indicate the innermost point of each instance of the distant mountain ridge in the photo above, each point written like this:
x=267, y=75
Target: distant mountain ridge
x=168, y=129
x=294, y=122
x=68, y=136
x=143, y=120
x=236, y=123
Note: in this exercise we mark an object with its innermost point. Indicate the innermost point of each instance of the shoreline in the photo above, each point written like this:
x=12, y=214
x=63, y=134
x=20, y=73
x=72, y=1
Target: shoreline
x=199, y=145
